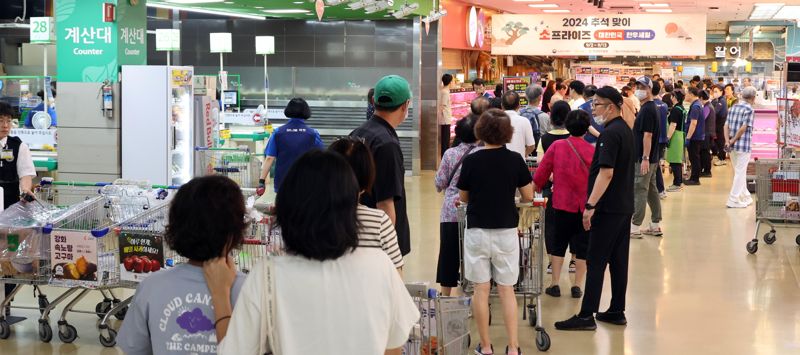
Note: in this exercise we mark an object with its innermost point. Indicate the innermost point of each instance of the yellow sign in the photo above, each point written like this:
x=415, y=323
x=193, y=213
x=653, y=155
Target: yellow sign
x=225, y=134
x=181, y=77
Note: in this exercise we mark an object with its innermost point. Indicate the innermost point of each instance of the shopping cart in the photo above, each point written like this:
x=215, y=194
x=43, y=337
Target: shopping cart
x=531, y=276
x=532, y=163
x=66, y=193
x=777, y=197
x=238, y=164
x=443, y=327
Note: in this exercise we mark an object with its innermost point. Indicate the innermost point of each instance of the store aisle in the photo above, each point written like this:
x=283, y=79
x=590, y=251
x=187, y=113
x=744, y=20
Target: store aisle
x=696, y=291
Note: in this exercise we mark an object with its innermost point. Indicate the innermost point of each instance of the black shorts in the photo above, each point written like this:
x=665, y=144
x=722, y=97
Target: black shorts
x=569, y=232
x=448, y=270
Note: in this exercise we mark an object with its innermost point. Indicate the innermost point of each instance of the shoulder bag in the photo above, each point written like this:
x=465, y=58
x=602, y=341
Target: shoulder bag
x=576, y=153
x=268, y=309
x=458, y=165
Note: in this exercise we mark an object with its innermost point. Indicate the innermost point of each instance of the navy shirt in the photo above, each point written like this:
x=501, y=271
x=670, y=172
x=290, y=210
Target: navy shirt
x=382, y=140
x=696, y=114
x=288, y=143
x=663, y=112
x=40, y=107
x=587, y=106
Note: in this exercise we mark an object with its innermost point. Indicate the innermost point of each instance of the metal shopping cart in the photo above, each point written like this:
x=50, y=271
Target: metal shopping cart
x=531, y=276
x=777, y=197
x=238, y=164
x=443, y=327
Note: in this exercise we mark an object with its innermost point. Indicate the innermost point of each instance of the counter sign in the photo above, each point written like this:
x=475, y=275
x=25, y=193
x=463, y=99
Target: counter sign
x=43, y=30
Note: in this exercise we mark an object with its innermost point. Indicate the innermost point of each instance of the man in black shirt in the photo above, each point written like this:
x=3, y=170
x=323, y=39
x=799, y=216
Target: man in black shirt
x=392, y=99
x=608, y=214
x=646, y=132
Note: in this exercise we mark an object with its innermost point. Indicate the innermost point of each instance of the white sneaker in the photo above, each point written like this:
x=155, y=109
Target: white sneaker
x=736, y=205
x=748, y=201
x=636, y=232
x=663, y=195
x=674, y=188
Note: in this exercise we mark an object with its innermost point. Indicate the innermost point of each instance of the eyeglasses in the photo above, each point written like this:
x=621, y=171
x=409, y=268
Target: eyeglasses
x=595, y=104
x=5, y=122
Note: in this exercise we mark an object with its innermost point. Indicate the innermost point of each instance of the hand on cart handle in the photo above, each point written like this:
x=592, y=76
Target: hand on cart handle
x=27, y=196
x=262, y=187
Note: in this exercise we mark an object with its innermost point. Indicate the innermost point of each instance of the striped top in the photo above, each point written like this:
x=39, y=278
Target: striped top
x=377, y=231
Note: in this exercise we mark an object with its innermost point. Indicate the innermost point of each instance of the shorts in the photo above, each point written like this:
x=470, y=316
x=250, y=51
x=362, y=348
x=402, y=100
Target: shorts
x=449, y=267
x=569, y=232
x=491, y=254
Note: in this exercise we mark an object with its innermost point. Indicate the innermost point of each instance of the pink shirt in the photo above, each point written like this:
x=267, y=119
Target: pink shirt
x=570, y=177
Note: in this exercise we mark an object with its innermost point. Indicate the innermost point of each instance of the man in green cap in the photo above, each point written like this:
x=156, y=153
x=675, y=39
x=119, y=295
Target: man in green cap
x=392, y=100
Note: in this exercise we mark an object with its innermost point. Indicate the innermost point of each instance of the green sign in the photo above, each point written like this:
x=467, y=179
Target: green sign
x=90, y=50
x=43, y=30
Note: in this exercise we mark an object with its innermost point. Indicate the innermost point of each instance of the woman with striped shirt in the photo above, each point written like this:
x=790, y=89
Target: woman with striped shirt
x=375, y=228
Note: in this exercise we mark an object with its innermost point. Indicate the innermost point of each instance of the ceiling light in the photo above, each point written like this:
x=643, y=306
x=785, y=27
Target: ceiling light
x=654, y=5
x=405, y=10
x=788, y=13
x=229, y=2
x=559, y=11
x=298, y=3
x=658, y=10
x=203, y=11
x=541, y=6
x=334, y=2
x=765, y=11
x=259, y=7
x=194, y=1
x=286, y=11
x=360, y=4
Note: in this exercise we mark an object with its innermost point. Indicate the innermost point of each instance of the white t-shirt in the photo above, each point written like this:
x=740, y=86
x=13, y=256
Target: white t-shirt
x=356, y=304
x=576, y=104
x=523, y=133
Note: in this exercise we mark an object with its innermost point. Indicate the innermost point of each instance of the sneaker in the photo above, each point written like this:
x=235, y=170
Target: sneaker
x=572, y=266
x=691, y=183
x=576, y=292
x=736, y=205
x=478, y=350
x=663, y=195
x=655, y=232
x=577, y=323
x=636, y=234
x=549, y=268
x=720, y=163
x=617, y=318
x=748, y=202
x=553, y=291
x=674, y=188
x=519, y=351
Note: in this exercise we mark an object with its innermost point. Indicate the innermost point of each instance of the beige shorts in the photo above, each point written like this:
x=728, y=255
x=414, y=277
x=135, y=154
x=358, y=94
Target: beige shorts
x=491, y=254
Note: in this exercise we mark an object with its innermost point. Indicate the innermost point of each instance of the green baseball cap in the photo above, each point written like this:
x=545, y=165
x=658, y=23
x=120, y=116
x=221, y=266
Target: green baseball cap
x=392, y=91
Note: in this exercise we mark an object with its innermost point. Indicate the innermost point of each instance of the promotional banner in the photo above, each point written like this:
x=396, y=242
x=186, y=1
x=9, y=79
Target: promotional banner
x=140, y=255
x=603, y=35
x=74, y=256
x=518, y=84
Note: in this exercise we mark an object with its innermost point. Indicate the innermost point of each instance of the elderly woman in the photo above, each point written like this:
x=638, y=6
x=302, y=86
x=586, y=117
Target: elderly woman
x=327, y=294
x=447, y=274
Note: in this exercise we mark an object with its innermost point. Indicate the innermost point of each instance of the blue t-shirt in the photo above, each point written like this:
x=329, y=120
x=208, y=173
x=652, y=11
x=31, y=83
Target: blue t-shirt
x=288, y=143
x=587, y=106
x=663, y=112
x=696, y=114
x=40, y=107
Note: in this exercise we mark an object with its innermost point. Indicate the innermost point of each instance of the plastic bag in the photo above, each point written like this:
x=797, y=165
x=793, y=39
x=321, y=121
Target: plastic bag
x=21, y=242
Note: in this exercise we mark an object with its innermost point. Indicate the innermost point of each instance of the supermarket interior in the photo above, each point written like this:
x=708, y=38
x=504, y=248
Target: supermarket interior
x=114, y=113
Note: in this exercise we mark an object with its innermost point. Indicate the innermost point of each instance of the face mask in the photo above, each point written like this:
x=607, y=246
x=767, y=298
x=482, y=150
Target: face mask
x=641, y=94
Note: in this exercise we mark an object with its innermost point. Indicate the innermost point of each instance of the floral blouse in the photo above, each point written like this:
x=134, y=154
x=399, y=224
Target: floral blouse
x=451, y=157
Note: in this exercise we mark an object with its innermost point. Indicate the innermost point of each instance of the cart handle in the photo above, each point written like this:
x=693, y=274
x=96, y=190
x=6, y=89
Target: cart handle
x=237, y=149
x=45, y=182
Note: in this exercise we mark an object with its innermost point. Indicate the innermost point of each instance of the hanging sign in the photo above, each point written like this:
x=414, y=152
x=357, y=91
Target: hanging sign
x=43, y=30
x=168, y=39
x=630, y=35
x=221, y=42
x=518, y=84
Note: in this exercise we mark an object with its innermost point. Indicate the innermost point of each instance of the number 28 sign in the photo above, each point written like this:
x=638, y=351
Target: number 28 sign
x=43, y=30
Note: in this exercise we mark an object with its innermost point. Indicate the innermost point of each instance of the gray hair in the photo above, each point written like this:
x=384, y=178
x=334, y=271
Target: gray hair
x=534, y=92
x=749, y=93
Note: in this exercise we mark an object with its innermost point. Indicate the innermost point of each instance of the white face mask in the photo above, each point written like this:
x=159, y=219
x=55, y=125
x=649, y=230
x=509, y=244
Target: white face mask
x=641, y=94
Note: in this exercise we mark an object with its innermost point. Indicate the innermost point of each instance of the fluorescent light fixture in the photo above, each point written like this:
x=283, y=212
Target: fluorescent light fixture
x=203, y=11
x=559, y=11
x=360, y=4
x=377, y=7
x=188, y=2
x=654, y=5
x=298, y=3
x=788, y=13
x=286, y=11
x=542, y=6
x=658, y=10
x=334, y=2
x=765, y=11
x=259, y=7
x=405, y=10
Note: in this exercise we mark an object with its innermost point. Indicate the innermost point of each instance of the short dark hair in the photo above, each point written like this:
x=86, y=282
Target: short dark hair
x=498, y=90
x=316, y=207
x=510, y=100
x=465, y=129
x=479, y=105
x=589, y=91
x=206, y=218
x=656, y=75
x=719, y=78
x=558, y=113
x=371, y=95
x=478, y=82
x=360, y=158
x=731, y=86
x=6, y=110
x=559, y=80
x=494, y=127
x=667, y=100
x=297, y=108
x=718, y=87
x=577, y=123
x=679, y=97
x=695, y=91
x=577, y=86
x=696, y=78
x=496, y=103
x=447, y=79
x=703, y=95
x=560, y=86
x=626, y=90
x=656, y=88
x=379, y=108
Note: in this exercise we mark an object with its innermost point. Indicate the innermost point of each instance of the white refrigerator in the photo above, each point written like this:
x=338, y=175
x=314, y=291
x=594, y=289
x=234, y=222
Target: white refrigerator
x=157, y=124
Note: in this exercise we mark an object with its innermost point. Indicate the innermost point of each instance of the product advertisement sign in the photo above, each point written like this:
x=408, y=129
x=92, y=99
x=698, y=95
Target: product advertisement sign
x=603, y=35
x=140, y=255
x=518, y=84
x=74, y=256
x=789, y=122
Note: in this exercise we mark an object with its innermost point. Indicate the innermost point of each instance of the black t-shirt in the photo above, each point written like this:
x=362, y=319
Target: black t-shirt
x=492, y=176
x=390, y=173
x=614, y=151
x=647, y=121
x=676, y=117
x=548, y=139
x=711, y=120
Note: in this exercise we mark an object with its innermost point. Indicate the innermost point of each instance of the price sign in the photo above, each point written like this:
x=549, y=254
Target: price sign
x=168, y=39
x=43, y=30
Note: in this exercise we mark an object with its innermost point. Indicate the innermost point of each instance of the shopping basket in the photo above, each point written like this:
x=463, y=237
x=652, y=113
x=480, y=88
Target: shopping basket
x=777, y=197
x=238, y=164
x=443, y=327
x=531, y=275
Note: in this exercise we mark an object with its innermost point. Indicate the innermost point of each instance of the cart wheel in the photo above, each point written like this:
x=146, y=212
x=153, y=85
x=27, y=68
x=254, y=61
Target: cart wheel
x=770, y=237
x=797, y=239
x=122, y=312
x=111, y=340
x=69, y=335
x=102, y=308
x=5, y=329
x=43, y=303
x=532, y=315
x=542, y=340
x=752, y=246
x=45, y=332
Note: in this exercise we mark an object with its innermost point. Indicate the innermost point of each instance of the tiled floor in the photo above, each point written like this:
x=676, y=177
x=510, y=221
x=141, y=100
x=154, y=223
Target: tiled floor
x=695, y=291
